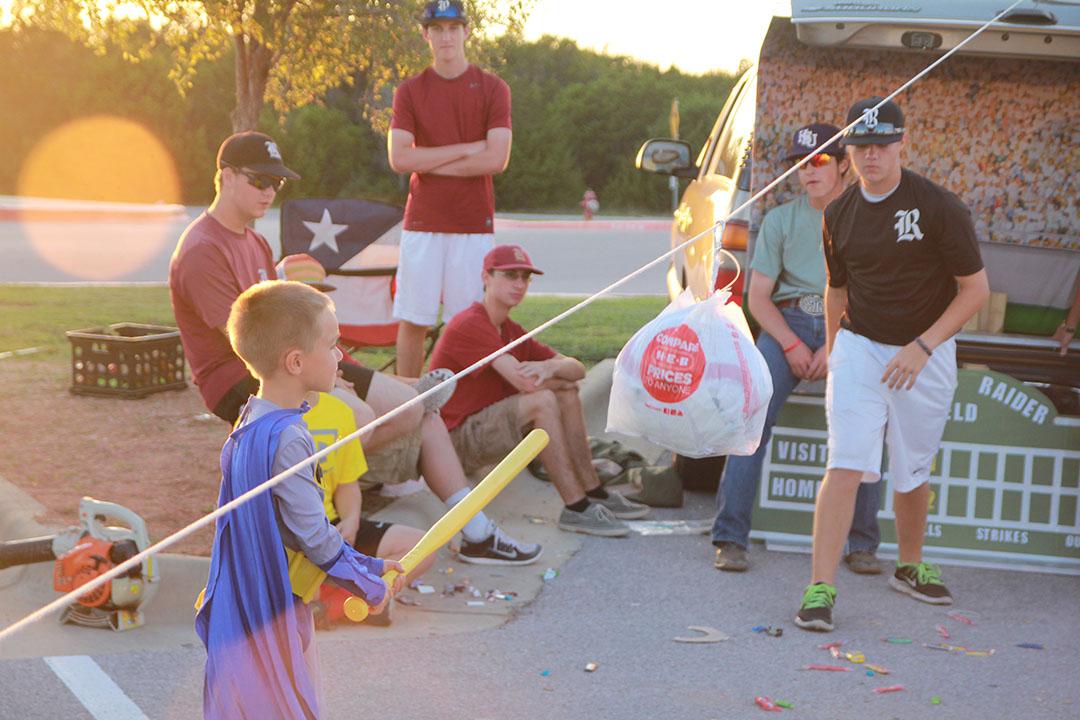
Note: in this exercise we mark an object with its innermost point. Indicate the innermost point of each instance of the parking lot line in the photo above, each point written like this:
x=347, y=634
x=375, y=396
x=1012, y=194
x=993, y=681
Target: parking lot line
x=92, y=687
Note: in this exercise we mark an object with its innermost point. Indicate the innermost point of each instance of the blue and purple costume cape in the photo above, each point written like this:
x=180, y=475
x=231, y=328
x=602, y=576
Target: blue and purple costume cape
x=254, y=628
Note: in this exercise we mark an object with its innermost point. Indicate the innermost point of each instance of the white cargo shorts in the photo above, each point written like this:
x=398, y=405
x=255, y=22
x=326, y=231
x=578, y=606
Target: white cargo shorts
x=862, y=411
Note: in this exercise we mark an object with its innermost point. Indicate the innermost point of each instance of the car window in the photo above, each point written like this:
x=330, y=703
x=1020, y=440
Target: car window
x=731, y=149
x=707, y=148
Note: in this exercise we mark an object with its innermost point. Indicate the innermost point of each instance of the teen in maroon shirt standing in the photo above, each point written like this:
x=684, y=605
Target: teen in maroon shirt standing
x=451, y=130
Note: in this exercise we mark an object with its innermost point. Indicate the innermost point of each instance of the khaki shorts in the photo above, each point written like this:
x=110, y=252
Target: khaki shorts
x=488, y=436
x=397, y=462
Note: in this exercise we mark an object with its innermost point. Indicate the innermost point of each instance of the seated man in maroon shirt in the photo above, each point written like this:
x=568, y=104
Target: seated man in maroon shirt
x=530, y=386
x=218, y=257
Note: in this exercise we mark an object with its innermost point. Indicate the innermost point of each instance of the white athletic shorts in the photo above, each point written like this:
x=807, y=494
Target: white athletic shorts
x=439, y=267
x=862, y=410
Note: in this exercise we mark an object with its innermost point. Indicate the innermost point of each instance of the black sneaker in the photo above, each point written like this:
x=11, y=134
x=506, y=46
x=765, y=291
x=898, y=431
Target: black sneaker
x=731, y=557
x=498, y=549
x=922, y=582
x=817, y=605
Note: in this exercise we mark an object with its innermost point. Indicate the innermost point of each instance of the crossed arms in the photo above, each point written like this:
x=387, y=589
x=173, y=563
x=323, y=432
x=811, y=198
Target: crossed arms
x=483, y=157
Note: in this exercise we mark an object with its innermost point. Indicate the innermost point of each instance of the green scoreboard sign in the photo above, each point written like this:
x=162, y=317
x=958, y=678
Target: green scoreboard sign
x=1004, y=487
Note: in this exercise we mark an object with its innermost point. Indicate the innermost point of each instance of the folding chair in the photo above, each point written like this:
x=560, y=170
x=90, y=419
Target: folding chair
x=357, y=242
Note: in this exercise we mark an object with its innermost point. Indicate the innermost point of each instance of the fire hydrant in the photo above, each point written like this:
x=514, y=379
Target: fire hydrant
x=589, y=204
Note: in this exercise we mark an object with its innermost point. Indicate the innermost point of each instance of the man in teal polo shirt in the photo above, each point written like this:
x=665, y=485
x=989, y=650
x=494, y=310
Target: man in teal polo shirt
x=787, y=280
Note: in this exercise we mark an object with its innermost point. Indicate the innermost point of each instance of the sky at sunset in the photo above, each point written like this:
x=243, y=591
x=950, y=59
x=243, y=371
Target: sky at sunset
x=694, y=35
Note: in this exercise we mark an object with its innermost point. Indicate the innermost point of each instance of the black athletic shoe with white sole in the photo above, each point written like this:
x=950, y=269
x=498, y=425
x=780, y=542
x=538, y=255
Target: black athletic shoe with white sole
x=816, y=611
x=499, y=549
x=922, y=582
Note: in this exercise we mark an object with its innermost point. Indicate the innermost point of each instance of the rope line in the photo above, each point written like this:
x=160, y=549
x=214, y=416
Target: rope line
x=202, y=522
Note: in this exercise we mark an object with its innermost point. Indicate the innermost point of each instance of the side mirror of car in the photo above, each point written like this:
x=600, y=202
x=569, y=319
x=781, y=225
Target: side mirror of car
x=666, y=157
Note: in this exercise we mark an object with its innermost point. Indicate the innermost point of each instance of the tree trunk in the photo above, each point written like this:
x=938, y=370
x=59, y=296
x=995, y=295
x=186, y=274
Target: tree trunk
x=253, y=63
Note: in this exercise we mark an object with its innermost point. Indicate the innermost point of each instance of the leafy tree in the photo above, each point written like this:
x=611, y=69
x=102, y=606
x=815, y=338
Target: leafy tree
x=287, y=52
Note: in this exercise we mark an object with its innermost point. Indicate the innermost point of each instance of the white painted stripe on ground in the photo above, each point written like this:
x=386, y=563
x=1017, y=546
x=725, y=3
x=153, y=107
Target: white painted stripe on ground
x=92, y=687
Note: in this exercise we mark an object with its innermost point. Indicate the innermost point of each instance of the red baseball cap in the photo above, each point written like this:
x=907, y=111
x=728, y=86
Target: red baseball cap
x=509, y=257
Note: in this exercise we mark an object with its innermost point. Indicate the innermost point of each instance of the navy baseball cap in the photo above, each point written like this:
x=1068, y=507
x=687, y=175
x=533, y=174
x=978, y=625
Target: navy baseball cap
x=256, y=152
x=881, y=127
x=810, y=137
x=451, y=10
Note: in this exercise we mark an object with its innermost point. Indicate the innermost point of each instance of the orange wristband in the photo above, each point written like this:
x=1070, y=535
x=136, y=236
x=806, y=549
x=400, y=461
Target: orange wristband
x=792, y=346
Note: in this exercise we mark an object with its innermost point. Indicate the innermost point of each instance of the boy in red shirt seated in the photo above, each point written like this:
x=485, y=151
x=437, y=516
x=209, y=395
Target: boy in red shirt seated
x=530, y=386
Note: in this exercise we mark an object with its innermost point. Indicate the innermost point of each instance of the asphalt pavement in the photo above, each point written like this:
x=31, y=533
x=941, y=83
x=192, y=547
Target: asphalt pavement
x=619, y=603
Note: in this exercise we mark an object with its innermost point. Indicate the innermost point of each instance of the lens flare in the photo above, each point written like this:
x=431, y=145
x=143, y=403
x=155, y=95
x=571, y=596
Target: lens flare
x=105, y=160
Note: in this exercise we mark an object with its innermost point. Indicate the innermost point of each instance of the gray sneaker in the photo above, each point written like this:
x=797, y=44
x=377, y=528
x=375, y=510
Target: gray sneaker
x=620, y=507
x=594, y=520
x=863, y=562
x=437, y=377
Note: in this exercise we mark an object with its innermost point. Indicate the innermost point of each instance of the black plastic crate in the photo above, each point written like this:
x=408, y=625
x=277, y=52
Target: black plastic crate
x=126, y=360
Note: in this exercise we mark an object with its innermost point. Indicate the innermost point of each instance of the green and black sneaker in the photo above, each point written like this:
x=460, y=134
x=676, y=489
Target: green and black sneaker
x=817, y=605
x=922, y=582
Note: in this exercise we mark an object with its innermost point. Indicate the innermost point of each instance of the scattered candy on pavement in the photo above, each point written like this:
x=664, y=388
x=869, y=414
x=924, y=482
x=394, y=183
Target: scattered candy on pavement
x=869, y=673
x=935, y=699
x=898, y=640
x=856, y=657
x=960, y=649
x=545, y=673
x=876, y=668
x=1030, y=646
x=766, y=704
x=888, y=689
x=591, y=667
x=831, y=645
x=785, y=704
x=961, y=617
x=549, y=574
x=829, y=668
x=943, y=631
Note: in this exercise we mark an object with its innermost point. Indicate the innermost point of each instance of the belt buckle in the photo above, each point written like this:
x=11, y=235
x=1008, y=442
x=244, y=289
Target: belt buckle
x=812, y=305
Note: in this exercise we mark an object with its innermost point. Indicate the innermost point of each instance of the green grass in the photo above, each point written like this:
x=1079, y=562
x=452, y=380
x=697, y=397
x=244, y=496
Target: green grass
x=36, y=316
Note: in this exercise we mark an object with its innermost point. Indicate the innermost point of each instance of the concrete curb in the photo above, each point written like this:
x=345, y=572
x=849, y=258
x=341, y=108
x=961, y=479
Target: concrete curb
x=18, y=514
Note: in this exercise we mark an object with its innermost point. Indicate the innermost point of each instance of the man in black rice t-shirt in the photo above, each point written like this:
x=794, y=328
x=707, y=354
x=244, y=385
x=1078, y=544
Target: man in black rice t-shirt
x=905, y=274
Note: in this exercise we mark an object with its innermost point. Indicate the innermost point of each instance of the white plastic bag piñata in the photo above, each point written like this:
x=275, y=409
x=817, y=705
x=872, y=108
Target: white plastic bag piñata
x=692, y=381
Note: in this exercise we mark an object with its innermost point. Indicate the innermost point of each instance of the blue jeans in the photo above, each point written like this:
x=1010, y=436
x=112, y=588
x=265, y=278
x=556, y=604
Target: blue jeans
x=739, y=483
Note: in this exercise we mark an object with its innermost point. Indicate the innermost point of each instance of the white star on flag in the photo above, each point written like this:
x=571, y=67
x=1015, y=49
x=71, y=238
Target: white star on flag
x=324, y=232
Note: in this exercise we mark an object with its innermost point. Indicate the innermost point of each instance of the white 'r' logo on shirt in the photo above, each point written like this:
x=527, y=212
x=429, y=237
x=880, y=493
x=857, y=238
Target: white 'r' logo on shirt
x=870, y=118
x=907, y=225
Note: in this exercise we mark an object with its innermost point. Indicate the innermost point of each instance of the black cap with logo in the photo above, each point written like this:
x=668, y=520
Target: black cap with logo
x=880, y=127
x=256, y=152
x=810, y=137
x=451, y=10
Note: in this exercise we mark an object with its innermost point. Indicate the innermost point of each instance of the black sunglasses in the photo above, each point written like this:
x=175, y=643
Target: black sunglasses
x=261, y=181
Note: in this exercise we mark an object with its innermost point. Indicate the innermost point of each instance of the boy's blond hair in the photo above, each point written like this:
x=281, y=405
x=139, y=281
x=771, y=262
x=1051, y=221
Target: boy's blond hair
x=272, y=317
